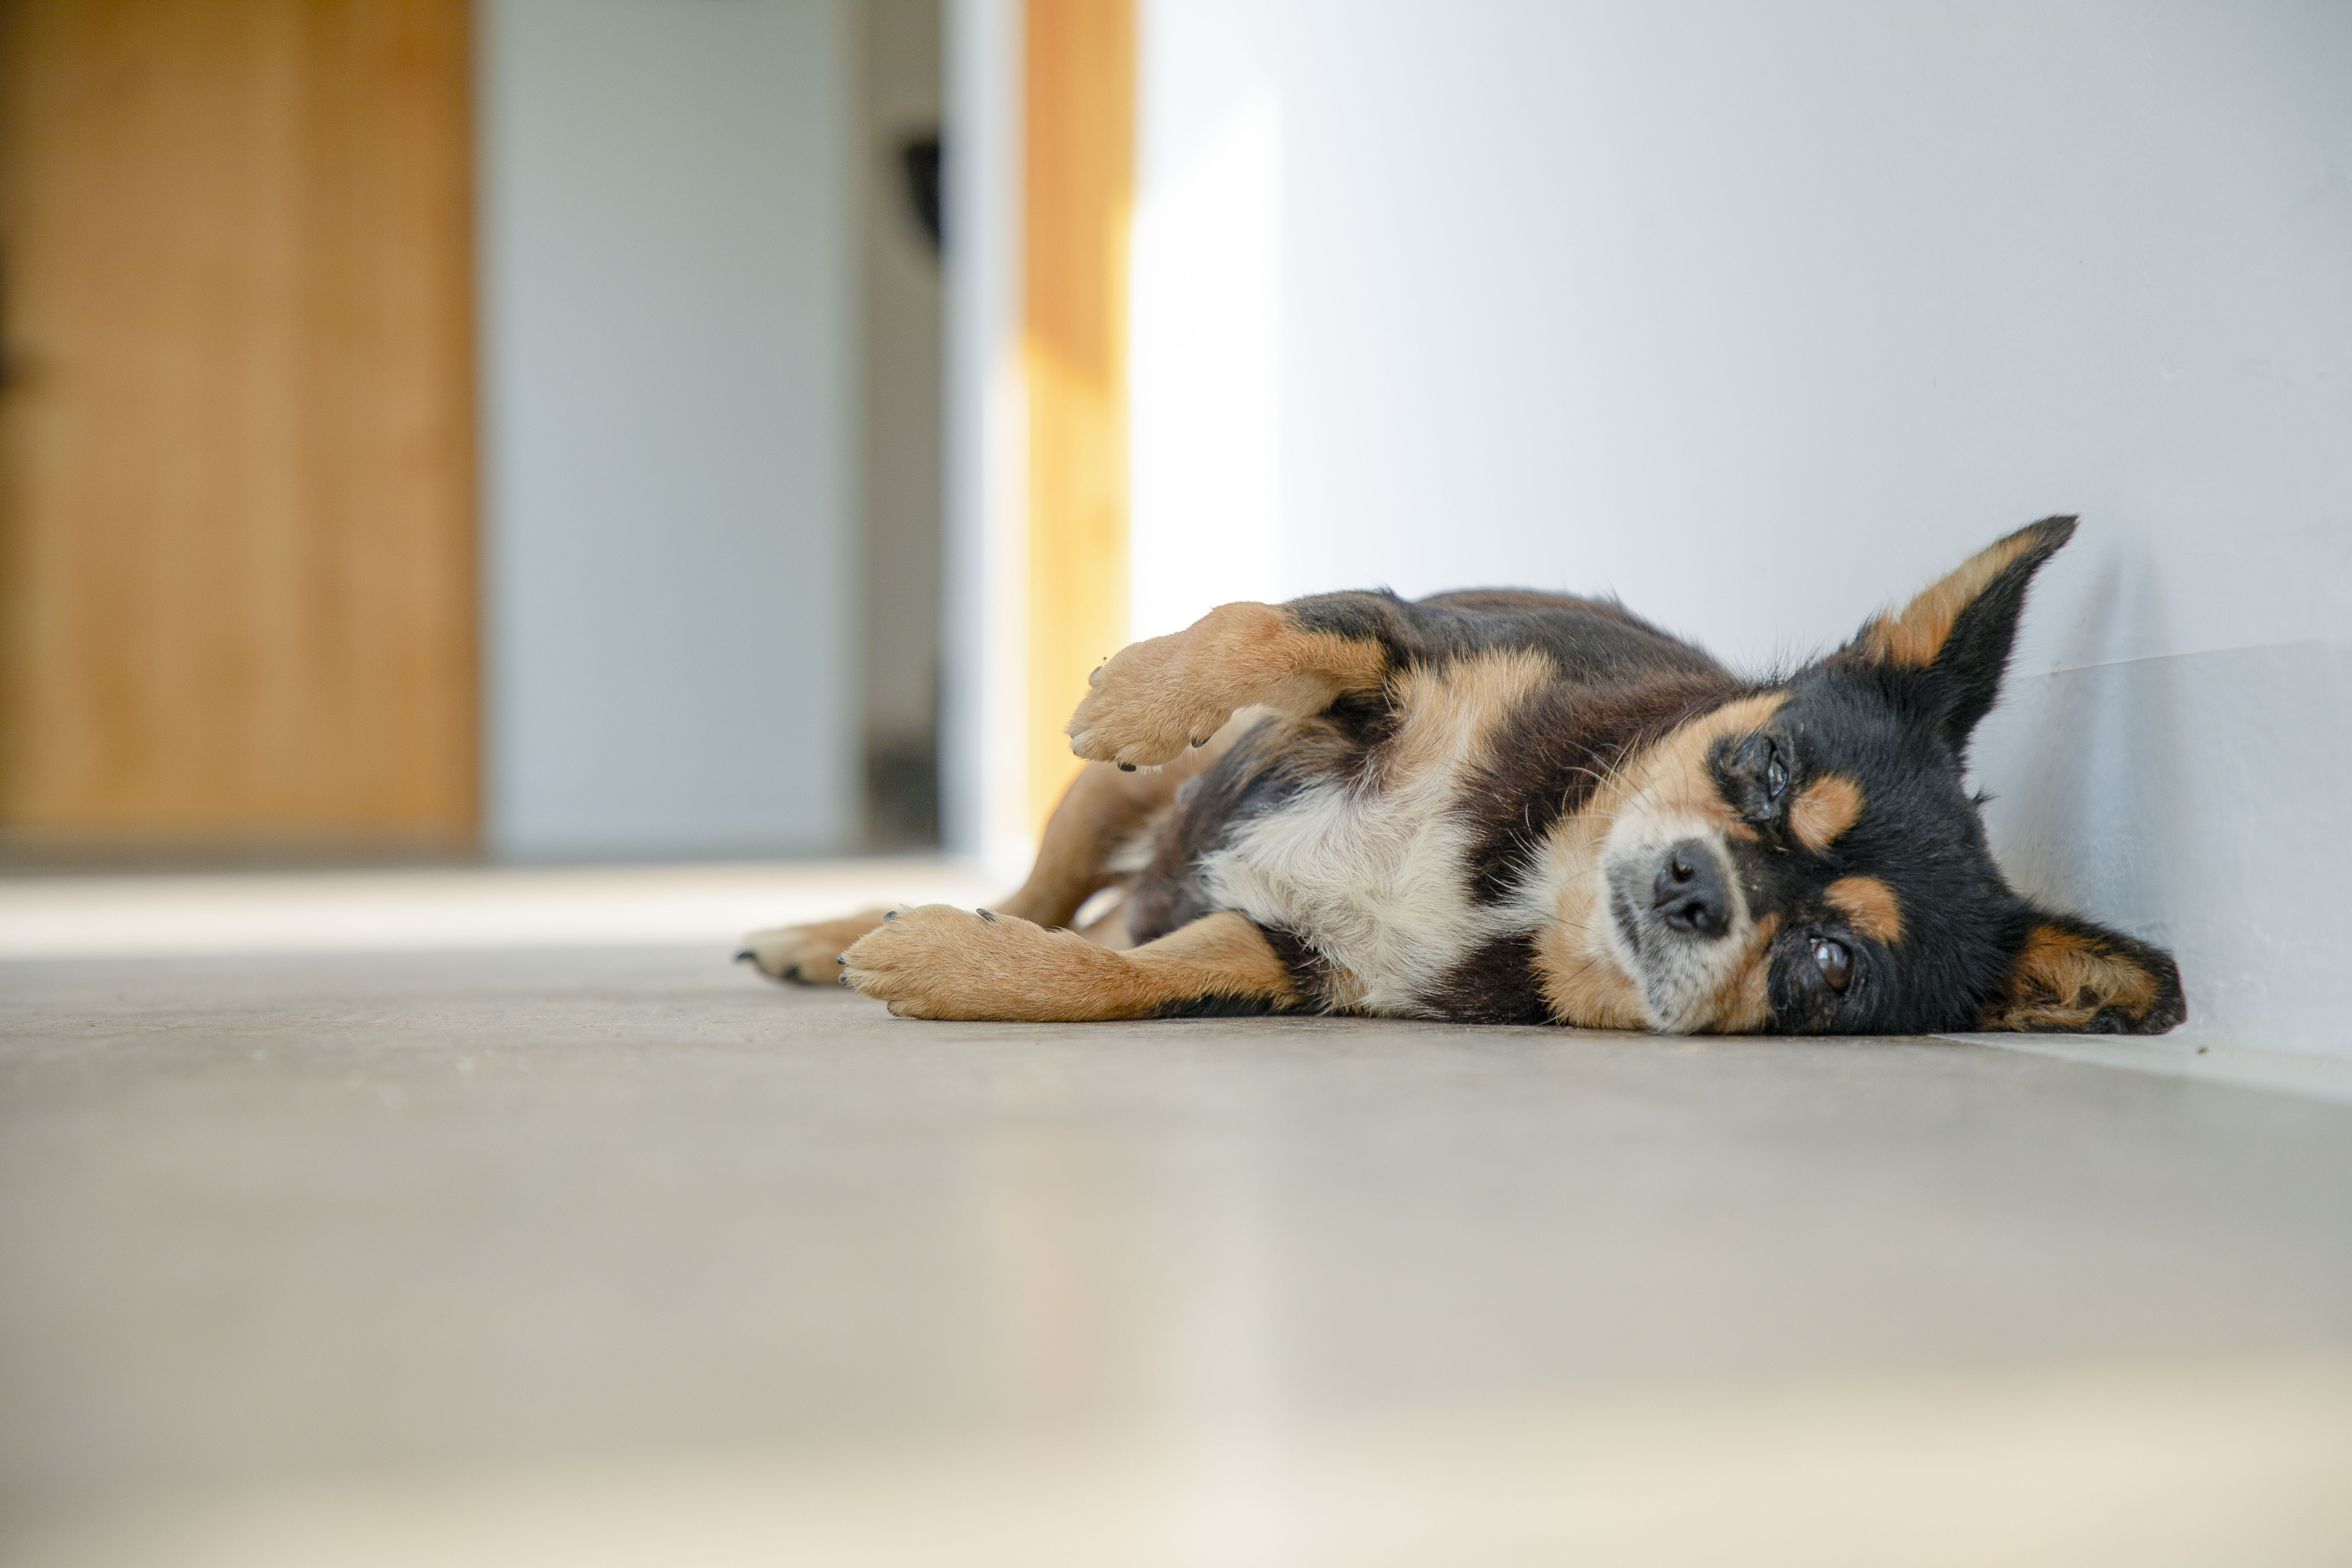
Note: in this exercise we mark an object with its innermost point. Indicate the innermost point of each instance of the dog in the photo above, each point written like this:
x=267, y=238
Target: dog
x=1517, y=808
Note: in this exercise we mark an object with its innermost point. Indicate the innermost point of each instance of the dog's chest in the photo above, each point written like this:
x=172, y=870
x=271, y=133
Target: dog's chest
x=1375, y=881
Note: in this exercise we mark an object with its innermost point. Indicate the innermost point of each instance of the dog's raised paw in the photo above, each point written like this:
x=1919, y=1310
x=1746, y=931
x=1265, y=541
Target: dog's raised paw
x=1150, y=704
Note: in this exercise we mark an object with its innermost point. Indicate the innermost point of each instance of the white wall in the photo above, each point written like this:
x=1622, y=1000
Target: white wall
x=1762, y=314
x=984, y=679
x=667, y=329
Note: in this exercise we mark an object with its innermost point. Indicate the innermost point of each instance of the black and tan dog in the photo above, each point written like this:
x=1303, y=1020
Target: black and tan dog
x=1520, y=807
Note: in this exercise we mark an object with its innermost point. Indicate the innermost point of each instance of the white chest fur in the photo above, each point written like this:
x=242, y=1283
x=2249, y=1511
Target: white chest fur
x=1375, y=880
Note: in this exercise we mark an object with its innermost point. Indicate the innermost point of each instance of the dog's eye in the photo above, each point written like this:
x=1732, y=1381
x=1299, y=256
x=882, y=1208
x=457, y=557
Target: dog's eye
x=1775, y=772
x=1834, y=961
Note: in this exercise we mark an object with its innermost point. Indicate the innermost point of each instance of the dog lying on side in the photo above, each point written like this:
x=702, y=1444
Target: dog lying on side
x=1517, y=808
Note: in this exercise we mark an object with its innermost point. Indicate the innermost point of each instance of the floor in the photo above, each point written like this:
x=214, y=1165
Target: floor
x=589, y=1254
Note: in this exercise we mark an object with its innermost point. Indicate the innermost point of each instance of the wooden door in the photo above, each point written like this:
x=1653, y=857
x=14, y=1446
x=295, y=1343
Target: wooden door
x=236, y=540
x=1077, y=184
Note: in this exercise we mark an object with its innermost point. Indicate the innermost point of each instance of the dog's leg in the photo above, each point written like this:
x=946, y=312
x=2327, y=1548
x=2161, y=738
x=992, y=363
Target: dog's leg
x=1100, y=813
x=1156, y=698
x=938, y=962
x=805, y=955
x=1103, y=811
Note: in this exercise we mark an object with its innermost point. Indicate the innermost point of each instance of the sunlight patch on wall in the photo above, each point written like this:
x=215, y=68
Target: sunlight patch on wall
x=1205, y=374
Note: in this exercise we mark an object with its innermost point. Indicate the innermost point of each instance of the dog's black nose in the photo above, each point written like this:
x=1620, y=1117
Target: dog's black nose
x=1689, y=892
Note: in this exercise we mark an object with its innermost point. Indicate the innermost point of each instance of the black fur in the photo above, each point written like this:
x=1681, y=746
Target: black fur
x=1495, y=984
x=1218, y=1006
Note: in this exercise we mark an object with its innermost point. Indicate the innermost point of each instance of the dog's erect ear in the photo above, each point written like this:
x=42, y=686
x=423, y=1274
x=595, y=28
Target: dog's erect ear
x=1957, y=635
x=2072, y=976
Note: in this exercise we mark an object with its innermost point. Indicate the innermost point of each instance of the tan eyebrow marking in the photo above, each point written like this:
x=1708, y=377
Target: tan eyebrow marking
x=1675, y=769
x=1869, y=906
x=1823, y=809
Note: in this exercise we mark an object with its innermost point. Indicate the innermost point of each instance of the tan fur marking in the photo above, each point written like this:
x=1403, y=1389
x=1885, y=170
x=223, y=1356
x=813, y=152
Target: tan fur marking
x=1823, y=809
x=2060, y=983
x=1674, y=771
x=1914, y=636
x=1447, y=714
x=1580, y=980
x=938, y=962
x=1153, y=697
x=1745, y=1003
x=1869, y=906
x=1582, y=984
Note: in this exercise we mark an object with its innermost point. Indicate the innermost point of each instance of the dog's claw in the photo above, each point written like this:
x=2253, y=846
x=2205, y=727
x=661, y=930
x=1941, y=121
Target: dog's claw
x=1127, y=767
x=747, y=956
x=1199, y=741
x=986, y=914
x=892, y=915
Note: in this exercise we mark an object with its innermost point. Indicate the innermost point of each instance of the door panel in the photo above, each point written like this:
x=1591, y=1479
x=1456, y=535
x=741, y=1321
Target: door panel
x=236, y=534
x=1077, y=180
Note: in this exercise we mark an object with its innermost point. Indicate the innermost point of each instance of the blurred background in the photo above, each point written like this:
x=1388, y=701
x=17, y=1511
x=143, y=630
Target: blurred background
x=450, y=430
x=499, y=497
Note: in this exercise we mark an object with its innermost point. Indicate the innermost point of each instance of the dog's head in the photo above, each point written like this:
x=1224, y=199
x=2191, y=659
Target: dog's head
x=1808, y=858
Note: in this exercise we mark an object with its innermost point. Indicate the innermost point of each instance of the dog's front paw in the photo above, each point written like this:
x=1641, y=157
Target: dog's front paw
x=809, y=954
x=938, y=962
x=1149, y=702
